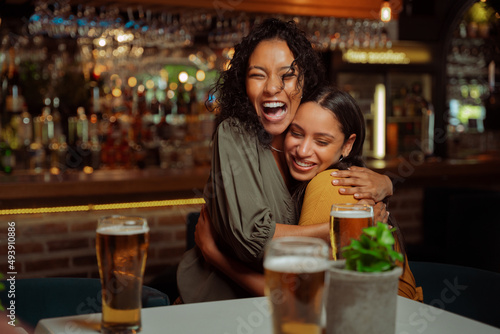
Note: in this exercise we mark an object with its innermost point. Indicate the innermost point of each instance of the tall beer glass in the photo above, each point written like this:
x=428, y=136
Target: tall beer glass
x=295, y=279
x=347, y=222
x=121, y=245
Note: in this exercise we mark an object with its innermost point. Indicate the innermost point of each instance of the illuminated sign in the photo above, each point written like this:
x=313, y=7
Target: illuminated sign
x=400, y=53
x=375, y=57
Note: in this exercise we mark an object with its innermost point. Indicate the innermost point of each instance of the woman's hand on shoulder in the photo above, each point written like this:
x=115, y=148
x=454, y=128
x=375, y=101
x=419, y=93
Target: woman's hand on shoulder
x=363, y=183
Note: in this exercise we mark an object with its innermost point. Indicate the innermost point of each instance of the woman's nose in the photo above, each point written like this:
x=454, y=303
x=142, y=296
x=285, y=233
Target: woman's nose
x=273, y=85
x=304, y=148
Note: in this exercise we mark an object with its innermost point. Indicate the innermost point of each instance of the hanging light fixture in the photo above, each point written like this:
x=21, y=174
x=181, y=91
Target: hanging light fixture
x=385, y=11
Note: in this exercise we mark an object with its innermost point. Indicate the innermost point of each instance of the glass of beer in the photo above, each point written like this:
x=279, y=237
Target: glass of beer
x=346, y=223
x=295, y=279
x=121, y=245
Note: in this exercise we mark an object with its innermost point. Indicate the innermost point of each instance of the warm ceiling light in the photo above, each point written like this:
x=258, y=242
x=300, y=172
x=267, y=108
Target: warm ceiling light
x=183, y=77
x=200, y=75
x=132, y=81
x=385, y=11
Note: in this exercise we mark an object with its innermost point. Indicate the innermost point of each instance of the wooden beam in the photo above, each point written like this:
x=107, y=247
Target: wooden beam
x=362, y=9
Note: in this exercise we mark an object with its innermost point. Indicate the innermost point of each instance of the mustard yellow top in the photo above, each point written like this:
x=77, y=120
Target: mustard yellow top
x=319, y=196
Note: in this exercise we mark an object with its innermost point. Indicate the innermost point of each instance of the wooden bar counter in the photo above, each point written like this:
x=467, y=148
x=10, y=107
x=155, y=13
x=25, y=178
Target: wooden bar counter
x=29, y=190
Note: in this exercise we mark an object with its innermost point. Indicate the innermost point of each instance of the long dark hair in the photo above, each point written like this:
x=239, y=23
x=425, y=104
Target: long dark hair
x=230, y=88
x=351, y=119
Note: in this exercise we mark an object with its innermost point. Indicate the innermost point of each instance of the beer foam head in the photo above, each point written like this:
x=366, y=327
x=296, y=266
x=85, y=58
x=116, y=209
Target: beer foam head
x=351, y=214
x=296, y=264
x=123, y=229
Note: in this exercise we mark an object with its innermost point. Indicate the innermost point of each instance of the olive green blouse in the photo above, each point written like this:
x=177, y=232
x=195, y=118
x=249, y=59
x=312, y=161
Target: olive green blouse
x=245, y=196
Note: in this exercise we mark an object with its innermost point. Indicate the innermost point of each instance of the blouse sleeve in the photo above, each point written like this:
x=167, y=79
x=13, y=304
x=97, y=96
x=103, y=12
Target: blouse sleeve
x=239, y=210
x=319, y=197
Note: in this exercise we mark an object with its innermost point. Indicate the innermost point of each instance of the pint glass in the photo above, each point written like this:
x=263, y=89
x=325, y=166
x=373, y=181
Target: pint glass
x=347, y=222
x=295, y=279
x=121, y=245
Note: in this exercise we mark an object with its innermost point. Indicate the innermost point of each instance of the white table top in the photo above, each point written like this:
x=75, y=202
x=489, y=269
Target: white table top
x=251, y=315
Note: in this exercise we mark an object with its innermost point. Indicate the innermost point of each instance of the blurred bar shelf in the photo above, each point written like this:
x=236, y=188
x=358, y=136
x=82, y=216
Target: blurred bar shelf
x=24, y=190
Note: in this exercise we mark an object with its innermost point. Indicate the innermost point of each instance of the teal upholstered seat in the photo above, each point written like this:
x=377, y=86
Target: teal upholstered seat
x=39, y=298
x=470, y=292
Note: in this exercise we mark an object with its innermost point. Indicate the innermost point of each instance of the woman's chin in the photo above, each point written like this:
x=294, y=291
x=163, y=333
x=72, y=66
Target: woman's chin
x=301, y=176
x=275, y=129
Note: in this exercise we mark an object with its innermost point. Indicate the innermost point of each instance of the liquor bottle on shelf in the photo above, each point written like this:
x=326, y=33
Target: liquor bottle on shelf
x=36, y=148
x=62, y=152
x=137, y=132
x=56, y=118
x=492, y=102
x=7, y=158
x=47, y=134
x=83, y=141
x=12, y=102
x=95, y=140
x=182, y=105
x=398, y=102
x=414, y=100
x=53, y=135
x=95, y=154
x=25, y=135
x=193, y=106
x=4, y=119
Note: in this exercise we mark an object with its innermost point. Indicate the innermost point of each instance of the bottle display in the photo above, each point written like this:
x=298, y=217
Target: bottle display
x=472, y=77
x=408, y=112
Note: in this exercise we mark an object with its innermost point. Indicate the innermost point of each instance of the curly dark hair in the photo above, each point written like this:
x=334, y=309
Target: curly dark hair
x=230, y=89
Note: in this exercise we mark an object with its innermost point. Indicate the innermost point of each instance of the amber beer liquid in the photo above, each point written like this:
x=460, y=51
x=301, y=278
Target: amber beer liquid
x=347, y=225
x=295, y=289
x=121, y=254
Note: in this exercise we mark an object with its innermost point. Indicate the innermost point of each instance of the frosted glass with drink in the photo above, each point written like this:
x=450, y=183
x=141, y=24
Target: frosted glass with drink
x=346, y=223
x=121, y=246
x=295, y=280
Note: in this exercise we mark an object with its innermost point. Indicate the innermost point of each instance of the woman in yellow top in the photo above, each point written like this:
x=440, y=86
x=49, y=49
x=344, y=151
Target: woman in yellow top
x=326, y=136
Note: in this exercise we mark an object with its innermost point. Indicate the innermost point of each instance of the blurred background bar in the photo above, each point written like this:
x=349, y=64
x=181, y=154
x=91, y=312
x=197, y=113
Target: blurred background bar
x=105, y=108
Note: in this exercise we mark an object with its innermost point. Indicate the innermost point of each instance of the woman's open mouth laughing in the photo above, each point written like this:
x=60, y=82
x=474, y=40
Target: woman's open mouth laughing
x=274, y=111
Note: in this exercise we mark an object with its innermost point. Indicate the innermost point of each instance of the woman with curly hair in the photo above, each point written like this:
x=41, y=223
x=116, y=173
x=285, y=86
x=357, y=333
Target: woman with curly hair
x=247, y=195
x=326, y=135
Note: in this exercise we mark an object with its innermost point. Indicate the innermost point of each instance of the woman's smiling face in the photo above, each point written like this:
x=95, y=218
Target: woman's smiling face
x=272, y=85
x=314, y=141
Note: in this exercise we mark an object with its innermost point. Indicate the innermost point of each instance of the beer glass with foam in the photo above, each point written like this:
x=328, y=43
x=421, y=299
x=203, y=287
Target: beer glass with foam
x=346, y=223
x=295, y=279
x=121, y=246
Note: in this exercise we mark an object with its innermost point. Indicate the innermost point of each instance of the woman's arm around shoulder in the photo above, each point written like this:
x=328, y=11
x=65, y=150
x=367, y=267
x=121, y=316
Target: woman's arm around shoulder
x=316, y=207
x=363, y=183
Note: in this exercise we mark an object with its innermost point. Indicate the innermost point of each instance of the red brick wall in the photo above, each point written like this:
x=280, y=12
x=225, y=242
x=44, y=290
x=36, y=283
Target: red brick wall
x=406, y=206
x=63, y=244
